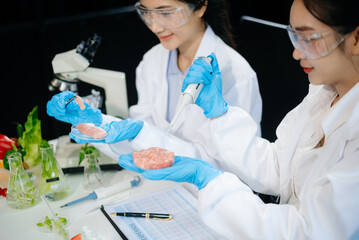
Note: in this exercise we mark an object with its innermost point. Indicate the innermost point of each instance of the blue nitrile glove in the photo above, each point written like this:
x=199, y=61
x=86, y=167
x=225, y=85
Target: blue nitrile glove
x=210, y=98
x=72, y=113
x=126, y=162
x=123, y=130
x=184, y=169
x=117, y=131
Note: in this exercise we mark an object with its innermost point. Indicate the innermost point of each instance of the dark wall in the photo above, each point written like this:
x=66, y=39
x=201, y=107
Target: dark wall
x=33, y=32
x=28, y=48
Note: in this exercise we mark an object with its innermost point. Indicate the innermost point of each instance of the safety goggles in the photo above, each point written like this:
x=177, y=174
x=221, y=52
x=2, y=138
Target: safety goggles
x=313, y=44
x=168, y=18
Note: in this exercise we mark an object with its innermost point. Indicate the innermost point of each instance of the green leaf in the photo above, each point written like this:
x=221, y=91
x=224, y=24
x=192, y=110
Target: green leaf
x=86, y=149
x=31, y=138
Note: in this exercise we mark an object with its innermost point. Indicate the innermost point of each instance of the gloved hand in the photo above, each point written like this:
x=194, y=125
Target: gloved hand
x=122, y=130
x=184, y=169
x=117, y=131
x=126, y=162
x=72, y=113
x=210, y=98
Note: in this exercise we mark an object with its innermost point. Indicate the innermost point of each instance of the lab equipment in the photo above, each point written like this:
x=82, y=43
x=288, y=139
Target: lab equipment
x=190, y=95
x=93, y=177
x=210, y=98
x=58, y=227
x=313, y=44
x=158, y=216
x=53, y=182
x=21, y=192
x=185, y=169
x=63, y=109
x=168, y=18
x=108, y=191
x=72, y=72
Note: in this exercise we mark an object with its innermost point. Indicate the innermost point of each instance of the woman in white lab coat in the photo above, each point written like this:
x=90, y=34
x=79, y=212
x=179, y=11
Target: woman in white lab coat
x=314, y=163
x=184, y=29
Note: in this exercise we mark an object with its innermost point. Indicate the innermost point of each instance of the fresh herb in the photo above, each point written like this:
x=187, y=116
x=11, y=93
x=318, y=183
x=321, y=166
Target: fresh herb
x=88, y=150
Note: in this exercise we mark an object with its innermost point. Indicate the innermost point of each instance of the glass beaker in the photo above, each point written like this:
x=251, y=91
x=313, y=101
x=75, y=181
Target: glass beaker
x=53, y=183
x=93, y=177
x=21, y=192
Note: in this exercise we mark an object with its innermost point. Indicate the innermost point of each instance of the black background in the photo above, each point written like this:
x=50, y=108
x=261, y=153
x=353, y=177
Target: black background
x=33, y=32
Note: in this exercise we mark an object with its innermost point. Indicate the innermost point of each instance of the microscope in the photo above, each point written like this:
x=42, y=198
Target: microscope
x=106, y=89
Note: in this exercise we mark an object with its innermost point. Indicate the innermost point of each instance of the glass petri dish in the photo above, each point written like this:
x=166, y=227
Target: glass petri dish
x=86, y=138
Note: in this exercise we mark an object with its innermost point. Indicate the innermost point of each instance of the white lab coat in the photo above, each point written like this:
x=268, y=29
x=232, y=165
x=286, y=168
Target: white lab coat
x=189, y=134
x=327, y=203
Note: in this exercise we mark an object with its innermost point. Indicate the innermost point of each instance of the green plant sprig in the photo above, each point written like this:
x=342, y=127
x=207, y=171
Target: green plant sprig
x=88, y=150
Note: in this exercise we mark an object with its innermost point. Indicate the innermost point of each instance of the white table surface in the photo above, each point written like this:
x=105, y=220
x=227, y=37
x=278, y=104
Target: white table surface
x=17, y=224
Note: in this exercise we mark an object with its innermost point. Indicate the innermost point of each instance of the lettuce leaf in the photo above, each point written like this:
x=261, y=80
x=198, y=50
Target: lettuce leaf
x=31, y=139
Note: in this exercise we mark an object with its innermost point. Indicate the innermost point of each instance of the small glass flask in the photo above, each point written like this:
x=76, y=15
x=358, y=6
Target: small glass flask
x=93, y=177
x=21, y=192
x=53, y=183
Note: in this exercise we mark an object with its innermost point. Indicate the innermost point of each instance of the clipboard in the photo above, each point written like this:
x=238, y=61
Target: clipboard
x=118, y=230
x=177, y=200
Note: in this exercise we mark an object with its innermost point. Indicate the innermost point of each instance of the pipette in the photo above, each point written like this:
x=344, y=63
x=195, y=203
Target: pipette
x=190, y=95
x=107, y=191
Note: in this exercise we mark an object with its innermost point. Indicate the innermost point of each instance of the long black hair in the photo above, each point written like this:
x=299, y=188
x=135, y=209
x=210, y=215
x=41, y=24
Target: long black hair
x=217, y=17
x=341, y=15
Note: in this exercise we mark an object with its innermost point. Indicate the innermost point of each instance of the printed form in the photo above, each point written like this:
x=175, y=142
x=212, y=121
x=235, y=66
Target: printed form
x=178, y=201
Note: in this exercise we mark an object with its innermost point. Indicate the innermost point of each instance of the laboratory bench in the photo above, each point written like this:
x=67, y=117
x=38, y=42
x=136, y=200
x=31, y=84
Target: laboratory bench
x=18, y=224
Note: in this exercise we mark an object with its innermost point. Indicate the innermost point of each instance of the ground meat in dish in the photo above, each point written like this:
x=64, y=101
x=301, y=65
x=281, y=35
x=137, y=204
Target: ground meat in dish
x=153, y=158
x=89, y=129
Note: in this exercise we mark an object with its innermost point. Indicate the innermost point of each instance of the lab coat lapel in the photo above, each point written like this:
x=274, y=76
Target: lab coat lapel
x=161, y=90
x=208, y=43
x=306, y=132
x=206, y=47
x=341, y=111
x=344, y=112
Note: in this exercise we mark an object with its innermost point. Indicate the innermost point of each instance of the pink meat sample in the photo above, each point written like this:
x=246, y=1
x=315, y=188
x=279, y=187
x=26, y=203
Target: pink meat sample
x=89, y=129
x=153, y=158
x=80, y=103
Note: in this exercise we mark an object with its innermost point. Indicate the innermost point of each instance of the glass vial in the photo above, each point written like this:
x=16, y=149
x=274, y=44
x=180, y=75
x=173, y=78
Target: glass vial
x=53, y=183
x=93, y=177
x=21, y=192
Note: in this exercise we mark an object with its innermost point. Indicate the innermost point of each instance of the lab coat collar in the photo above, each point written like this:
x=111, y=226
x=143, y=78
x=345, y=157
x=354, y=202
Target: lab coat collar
x=208, y=43
x=342, y=111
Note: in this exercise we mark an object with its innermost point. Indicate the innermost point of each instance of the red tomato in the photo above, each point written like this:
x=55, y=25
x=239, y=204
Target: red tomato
x=3, y=191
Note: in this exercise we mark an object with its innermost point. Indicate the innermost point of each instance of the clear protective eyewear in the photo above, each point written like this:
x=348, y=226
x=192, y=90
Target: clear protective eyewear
x=168, y=18
x=313, y=44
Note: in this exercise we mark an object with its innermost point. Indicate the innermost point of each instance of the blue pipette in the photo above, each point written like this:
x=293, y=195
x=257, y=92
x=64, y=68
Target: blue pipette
x=107, y=191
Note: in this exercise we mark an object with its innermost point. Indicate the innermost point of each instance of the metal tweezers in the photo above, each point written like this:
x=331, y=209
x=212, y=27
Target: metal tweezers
x=70, y=100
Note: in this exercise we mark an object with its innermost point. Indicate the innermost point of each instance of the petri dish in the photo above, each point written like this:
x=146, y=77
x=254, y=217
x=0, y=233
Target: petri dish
x=86, y=138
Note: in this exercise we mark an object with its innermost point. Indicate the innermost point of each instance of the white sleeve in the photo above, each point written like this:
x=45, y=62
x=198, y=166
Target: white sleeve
x=165, y=140
x=328, y=211
x=241, y=152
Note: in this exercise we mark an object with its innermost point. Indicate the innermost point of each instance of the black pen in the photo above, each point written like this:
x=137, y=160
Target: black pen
x=158, y=216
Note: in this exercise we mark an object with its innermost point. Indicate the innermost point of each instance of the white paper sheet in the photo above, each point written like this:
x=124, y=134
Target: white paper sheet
x=177, y=201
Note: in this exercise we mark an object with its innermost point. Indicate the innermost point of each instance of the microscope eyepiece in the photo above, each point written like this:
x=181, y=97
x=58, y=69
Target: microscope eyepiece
x=88, y=49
